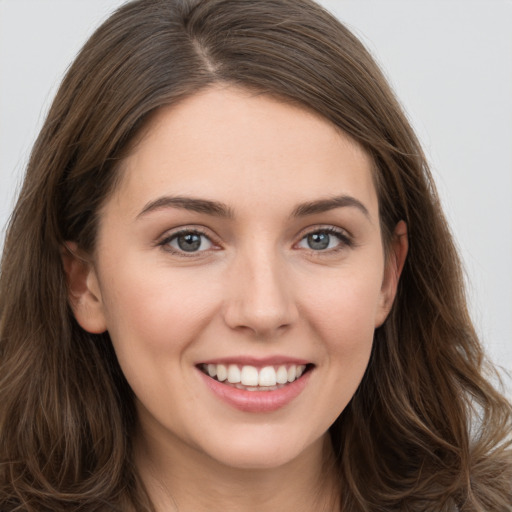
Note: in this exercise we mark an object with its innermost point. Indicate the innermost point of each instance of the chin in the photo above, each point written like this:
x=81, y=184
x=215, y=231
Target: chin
x=271, y=448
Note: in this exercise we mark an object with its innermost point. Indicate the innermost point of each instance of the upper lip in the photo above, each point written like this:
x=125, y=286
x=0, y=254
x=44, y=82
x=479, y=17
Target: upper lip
x=257, y=361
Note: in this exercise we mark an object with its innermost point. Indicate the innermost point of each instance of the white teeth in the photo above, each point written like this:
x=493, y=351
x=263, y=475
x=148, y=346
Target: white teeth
x=253, y=378
x=222, y=372
x=233, y=374
x=282, y=375
x=267, y=376
x=249, y=376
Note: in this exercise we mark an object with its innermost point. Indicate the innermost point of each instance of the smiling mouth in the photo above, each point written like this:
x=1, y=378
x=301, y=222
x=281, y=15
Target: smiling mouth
x=251, y=378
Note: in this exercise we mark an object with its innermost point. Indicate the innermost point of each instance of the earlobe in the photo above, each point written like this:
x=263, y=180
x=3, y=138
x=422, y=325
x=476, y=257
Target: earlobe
x=83, y=289
x=394, y=266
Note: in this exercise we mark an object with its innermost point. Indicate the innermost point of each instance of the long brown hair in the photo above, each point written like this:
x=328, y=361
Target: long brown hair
x=425, y=430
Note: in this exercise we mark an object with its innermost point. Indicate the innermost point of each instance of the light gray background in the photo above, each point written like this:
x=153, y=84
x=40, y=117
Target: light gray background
x=450, y=62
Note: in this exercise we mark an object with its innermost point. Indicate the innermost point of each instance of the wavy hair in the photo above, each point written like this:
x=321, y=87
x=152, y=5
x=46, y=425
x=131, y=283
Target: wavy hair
x=425, y=431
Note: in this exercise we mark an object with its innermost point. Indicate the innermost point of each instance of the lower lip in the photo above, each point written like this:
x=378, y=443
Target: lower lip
x=256, y=401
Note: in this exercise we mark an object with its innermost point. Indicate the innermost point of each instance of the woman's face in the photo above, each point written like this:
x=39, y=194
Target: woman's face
x=243, y=242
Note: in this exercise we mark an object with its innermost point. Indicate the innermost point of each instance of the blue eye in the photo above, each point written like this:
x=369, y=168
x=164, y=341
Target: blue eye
x=323, y=240
x=188, y=241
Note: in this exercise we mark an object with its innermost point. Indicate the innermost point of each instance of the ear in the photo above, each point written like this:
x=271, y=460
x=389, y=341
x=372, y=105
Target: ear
x=83, y=289
x=394, y=265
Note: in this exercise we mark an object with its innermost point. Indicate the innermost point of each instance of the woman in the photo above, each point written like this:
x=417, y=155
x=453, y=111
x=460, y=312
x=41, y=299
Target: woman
x=228, y=283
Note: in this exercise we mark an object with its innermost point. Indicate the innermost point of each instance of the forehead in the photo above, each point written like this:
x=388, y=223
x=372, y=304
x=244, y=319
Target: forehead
x=234, y=145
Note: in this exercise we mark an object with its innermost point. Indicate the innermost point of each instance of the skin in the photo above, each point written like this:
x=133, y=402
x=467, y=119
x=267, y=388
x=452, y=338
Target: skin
x=255, y=288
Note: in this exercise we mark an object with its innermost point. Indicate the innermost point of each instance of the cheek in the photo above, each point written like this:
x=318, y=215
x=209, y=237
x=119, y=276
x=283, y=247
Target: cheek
x=156, y=300
x=344, y=309
x=152, y=315
x=153, y=319
x=342, y=314
x=342, y=323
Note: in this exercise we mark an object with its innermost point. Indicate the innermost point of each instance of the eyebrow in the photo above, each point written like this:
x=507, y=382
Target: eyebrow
x=218, y=209
x=331, y=203
x=214, y=208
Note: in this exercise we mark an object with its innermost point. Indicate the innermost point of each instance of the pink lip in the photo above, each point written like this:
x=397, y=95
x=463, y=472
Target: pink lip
x=256, y=401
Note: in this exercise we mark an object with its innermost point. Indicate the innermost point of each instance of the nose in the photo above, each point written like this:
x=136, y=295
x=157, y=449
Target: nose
x=260, y=296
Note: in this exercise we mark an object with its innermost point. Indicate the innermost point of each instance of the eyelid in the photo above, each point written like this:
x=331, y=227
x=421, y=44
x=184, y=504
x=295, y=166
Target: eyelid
x=164, y=240
x=345, y=237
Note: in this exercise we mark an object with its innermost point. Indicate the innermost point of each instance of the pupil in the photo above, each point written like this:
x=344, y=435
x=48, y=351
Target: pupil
x=190, y=242
x=318, y=241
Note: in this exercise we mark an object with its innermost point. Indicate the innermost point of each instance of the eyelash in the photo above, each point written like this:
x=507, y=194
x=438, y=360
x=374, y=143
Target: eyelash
x=345, y=241
x=165, y=243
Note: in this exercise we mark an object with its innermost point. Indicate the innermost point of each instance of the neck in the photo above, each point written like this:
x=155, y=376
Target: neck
x=188, y=481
